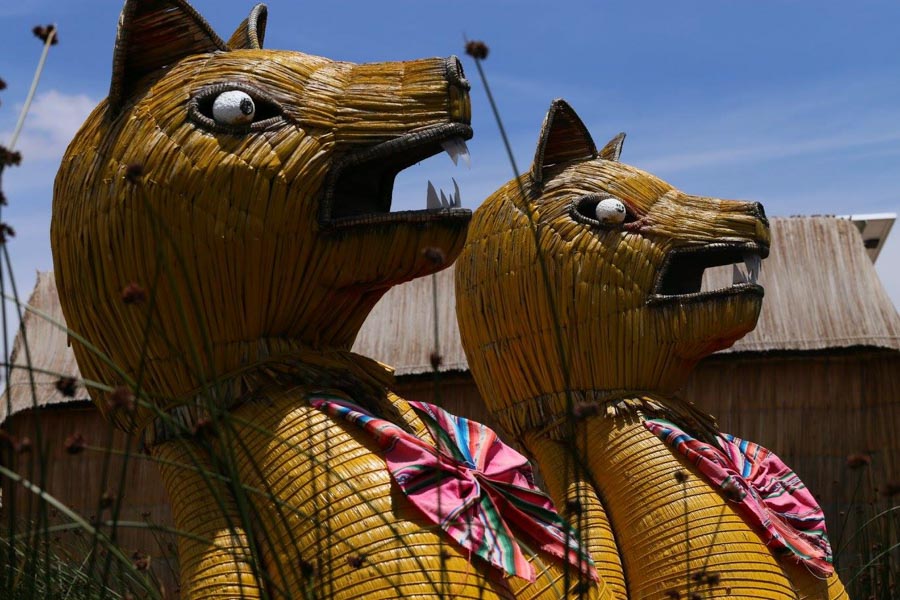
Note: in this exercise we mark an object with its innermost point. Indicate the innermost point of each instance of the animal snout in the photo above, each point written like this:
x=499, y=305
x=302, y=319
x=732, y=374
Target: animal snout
x=458, y=86
x=455, y=74
x=758, y=211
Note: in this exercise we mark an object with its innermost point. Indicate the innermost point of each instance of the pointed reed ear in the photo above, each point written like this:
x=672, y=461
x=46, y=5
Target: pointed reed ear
x=613, y=148
x=153, y=35
x=252, y=32
x=564, y=138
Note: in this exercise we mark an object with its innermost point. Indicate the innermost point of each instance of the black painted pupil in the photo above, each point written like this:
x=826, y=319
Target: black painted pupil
x=247, y=106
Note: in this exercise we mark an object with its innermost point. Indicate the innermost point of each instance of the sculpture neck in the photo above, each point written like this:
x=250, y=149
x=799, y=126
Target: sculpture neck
x=267, y=367
x=555, y=414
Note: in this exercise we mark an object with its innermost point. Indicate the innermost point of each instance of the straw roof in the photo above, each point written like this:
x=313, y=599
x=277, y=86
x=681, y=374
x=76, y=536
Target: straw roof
x=400, y=331
x=822, y=292
x=48, y=351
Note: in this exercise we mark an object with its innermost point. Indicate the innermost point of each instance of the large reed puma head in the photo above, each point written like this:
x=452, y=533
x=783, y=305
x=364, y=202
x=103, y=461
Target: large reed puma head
x=247, y=192
x=629, y=308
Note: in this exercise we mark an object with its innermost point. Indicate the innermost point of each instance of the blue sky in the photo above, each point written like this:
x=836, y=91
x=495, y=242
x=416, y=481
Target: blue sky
x=793, y=104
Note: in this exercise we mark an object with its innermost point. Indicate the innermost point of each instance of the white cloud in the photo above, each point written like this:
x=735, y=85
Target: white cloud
x=51, y=123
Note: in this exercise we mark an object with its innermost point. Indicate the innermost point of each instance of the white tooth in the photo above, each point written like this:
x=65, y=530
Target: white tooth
x=444, y=202
x=457, y=200
x=431, y=198
x=452, y=149
x=464, y=152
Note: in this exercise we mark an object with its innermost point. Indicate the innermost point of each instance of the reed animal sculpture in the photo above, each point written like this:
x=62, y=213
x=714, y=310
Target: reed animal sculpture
x=221, y=229
x=580, y=306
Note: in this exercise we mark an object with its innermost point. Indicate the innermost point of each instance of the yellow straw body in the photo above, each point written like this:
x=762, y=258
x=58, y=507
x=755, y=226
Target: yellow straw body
x=221, y=229
x=578, y=324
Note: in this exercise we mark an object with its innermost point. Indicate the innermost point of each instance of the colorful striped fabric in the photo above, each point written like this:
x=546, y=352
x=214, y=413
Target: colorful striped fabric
x=471, y=484
x=767, y=491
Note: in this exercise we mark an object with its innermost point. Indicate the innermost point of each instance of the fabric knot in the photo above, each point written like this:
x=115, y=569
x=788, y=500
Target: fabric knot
x=471, y=484
x=768, y=493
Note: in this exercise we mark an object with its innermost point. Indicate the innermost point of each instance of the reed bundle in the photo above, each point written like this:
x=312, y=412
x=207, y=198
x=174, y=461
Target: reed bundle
x=575, y=330
x=208, y=266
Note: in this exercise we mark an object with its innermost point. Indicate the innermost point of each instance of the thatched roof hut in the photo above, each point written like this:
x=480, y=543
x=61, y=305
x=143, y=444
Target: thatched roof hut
x=822, y=292
x=75, y=479
x=818, y=380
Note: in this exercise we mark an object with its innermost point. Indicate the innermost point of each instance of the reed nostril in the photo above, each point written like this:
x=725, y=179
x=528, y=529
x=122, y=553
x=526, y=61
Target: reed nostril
x=455, y=73
x=760, y=211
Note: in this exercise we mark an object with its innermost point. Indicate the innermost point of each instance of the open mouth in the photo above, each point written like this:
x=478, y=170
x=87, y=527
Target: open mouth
x=359, y=186
x=681, y=277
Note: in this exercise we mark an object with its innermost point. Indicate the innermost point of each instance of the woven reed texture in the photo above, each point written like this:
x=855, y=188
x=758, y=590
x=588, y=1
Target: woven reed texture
x=808, y=253
x=584, y=508
x=334, y=507
x=223, y=230
x=213, y=552
x=228, y=231
x=606, y=339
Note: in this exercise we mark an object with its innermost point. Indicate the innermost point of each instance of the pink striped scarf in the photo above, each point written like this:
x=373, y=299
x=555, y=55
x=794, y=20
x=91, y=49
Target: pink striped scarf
x=471, y=484
x=767, y=492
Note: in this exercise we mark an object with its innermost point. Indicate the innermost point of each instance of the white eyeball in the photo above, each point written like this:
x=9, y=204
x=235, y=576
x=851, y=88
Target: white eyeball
x=233, y=108
x=610, y=211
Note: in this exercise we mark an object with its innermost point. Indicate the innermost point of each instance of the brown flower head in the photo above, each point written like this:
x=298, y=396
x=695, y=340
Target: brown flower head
x=133, y=294
x=8, y=158
x=573, y=507
x=6, y=232
x=307, y=569
x=583, y=410
x=67, y=386
x=733, y=490
x=45, y=32
x=858, y=460
x=477, y=49
x=435, y=255
x=140, y=560
x=122, y=398
x=75, y=443
x=134, y=173
x=890, y=489
x=107, y=499
x=204, y=428
x=356, y=561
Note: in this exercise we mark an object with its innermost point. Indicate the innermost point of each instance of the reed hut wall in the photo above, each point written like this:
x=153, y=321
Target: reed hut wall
x=78, y=481
x=815, y=411
x=36, y=410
